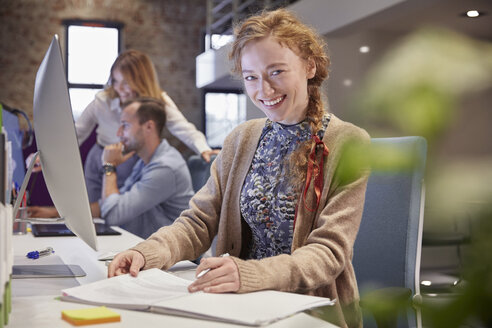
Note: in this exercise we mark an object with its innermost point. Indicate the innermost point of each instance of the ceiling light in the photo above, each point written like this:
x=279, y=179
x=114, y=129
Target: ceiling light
x=347, y=82
x=364, y=49
x=472, y=13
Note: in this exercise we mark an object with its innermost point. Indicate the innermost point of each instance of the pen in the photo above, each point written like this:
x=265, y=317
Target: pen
x=42, y=252
x=201, y=274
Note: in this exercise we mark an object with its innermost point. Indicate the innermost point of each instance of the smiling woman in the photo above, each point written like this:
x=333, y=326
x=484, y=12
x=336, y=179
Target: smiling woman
x=276, y=199
x=275, y=79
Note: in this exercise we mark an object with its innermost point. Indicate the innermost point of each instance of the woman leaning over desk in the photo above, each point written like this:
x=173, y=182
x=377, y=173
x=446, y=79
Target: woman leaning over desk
x=286, y=224
x=132, y=75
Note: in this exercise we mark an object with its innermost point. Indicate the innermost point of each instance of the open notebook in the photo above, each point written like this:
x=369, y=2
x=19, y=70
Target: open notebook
x=157, y=291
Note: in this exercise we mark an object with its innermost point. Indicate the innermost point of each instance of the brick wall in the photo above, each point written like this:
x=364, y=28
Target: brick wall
x=169, y=31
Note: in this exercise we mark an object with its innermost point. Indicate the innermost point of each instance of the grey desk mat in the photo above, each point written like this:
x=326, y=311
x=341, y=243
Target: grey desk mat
x=40, y=286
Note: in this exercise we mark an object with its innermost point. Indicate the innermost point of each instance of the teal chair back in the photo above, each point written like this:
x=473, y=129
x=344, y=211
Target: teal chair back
x=388, y=246
x=199, y=170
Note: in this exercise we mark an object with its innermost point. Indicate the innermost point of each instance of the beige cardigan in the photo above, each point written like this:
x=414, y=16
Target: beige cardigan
x=320, y=263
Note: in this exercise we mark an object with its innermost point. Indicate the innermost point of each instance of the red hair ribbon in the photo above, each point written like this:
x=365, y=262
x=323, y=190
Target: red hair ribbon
x=315, y=168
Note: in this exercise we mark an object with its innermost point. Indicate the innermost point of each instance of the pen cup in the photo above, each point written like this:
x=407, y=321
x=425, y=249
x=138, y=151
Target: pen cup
x=20, y=227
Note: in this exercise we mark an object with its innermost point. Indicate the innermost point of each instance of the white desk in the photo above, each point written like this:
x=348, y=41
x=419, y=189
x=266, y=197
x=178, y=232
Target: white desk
x=34, y=303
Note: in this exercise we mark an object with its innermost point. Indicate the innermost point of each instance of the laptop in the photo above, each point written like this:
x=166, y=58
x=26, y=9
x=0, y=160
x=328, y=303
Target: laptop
x=60, y=230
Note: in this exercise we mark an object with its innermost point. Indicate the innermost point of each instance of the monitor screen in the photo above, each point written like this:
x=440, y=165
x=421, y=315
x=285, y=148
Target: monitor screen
x=58, y=148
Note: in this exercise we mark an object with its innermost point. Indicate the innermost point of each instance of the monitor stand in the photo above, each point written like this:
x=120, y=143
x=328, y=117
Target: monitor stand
x=22, y=190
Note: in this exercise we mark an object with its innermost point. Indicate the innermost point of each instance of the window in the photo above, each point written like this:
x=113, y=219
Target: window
x=224, y=109
x=217, y=41
x=91, y=48
x=223, y=112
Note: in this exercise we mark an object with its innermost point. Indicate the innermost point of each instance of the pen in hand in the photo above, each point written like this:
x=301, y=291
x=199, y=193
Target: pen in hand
x=202, y=273
x=42, y=252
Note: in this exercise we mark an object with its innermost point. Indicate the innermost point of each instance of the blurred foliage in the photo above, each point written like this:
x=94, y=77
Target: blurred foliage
x=456, y=193
x=417, y=87
x=475, y=297
x=356, y=158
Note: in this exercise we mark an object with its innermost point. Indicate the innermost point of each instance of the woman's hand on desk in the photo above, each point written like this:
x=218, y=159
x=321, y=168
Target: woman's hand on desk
x=42, y=212
x=223, y=276
x=207, y=154
x=126, y=262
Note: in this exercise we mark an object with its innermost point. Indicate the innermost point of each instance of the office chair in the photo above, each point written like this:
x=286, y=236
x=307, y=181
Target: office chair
x=200, y=170
x=388, y=246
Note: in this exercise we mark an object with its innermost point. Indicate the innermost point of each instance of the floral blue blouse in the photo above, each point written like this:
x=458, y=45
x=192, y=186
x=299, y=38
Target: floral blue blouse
x=268, y=200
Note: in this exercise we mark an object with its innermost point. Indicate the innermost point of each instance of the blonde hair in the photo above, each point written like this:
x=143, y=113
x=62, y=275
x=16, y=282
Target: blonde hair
x=139, y=72
x=289, y=31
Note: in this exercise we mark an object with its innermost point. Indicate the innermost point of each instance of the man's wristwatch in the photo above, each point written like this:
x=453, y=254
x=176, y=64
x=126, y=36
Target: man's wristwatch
x=109, y=168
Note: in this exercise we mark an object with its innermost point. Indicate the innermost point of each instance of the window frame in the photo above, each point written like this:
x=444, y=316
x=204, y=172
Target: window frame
x=217, y=90
x=89, y=23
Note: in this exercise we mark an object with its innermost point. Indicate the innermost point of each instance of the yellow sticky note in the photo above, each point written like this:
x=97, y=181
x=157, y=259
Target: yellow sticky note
x=90, y=316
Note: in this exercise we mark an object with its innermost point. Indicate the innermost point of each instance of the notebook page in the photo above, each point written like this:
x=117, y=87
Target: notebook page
x=148, y=287
x=256, y=309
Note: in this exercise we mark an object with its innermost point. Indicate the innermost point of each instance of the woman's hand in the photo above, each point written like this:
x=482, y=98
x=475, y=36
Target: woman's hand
x=223, y=276
x=129, y=261
x=42, y=212
x=207, y=155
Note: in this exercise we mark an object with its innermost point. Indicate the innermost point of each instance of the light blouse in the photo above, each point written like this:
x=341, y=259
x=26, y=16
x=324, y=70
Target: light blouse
x=105, y=112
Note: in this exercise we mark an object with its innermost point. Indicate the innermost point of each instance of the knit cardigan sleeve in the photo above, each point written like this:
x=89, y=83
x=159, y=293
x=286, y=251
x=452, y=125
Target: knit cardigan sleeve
x=321, y=259
x=323, y=240
x=193, y=232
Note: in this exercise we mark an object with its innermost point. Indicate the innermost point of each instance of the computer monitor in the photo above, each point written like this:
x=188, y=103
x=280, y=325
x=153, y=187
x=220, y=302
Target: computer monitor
x=58, y=147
